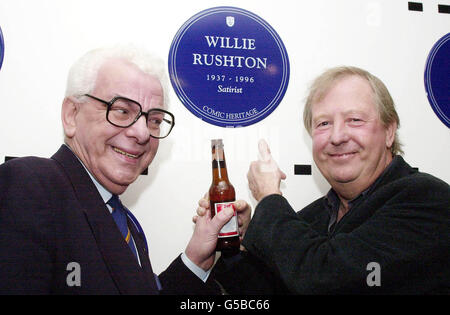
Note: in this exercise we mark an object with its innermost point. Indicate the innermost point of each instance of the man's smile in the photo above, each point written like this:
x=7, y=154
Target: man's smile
x=128, y=154
x=342, y=155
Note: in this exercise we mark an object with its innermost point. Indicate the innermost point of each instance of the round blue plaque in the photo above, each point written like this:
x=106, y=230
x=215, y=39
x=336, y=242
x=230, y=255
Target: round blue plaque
x=2, y=48
x=437, y=79
x=228, y=67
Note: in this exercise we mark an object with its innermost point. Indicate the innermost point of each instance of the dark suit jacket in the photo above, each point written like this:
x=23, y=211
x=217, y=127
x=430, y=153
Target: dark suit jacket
x=401, y=224
x=51, y=215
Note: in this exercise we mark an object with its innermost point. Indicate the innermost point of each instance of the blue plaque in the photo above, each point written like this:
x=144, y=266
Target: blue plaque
x=2, y=48
x=229, y=67
x=437, y=79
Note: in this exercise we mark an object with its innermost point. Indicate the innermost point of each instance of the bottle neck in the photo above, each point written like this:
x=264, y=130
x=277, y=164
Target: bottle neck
x=219, y=166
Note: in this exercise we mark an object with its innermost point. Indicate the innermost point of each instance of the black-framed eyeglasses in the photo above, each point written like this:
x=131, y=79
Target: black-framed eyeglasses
x=123, y=112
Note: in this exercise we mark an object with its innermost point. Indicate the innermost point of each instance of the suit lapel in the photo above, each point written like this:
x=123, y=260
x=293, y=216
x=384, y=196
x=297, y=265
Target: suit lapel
x=125, y=271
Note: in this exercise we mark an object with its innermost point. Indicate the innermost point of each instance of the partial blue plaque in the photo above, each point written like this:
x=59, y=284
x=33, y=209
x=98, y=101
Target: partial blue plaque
x=437, y=79
x=229, y=67
x=2, y=48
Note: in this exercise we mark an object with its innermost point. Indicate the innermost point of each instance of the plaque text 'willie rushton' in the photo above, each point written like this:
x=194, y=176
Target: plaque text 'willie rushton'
x=232, y=61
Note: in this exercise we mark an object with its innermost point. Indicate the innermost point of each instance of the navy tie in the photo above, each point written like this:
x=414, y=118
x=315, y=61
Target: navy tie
x=120, y=217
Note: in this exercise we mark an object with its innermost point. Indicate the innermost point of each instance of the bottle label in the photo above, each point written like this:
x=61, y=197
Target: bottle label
x=231, y=228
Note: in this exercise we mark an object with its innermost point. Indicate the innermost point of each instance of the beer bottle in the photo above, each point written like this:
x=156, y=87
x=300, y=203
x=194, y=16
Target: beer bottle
x=221, y=196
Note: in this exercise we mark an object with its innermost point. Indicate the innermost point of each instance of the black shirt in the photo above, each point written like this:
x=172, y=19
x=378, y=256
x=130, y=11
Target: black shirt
x=332, y=201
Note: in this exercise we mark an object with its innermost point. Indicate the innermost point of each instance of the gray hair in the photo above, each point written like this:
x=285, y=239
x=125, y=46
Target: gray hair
x=83, y=73
x=382, y=98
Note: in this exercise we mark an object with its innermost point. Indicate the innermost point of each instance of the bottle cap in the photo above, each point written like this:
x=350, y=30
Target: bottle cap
x=216, y=142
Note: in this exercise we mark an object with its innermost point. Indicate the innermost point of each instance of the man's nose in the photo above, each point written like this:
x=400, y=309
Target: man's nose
x=339, y=133
x=139, y=130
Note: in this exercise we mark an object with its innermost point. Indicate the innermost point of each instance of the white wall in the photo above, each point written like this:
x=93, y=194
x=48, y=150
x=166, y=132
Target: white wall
x=43, y=38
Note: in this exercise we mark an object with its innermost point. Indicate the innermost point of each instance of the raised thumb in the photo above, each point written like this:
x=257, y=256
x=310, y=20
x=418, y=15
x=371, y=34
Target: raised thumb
x=264, y=151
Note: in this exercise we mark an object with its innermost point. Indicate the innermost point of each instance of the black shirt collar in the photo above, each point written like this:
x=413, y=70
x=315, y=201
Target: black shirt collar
x=333, y=202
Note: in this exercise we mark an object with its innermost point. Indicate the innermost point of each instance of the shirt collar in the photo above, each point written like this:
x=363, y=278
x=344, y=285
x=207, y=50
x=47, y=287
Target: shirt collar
x=333, y=202
x=332, y=197
x=105, y=194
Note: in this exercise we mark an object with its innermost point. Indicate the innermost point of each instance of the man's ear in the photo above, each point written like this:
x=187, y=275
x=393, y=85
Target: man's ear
x=391, y=129
x=70, y=108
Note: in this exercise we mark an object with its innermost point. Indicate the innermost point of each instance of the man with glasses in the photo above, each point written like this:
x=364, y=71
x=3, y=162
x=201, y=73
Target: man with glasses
x=63, y=229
